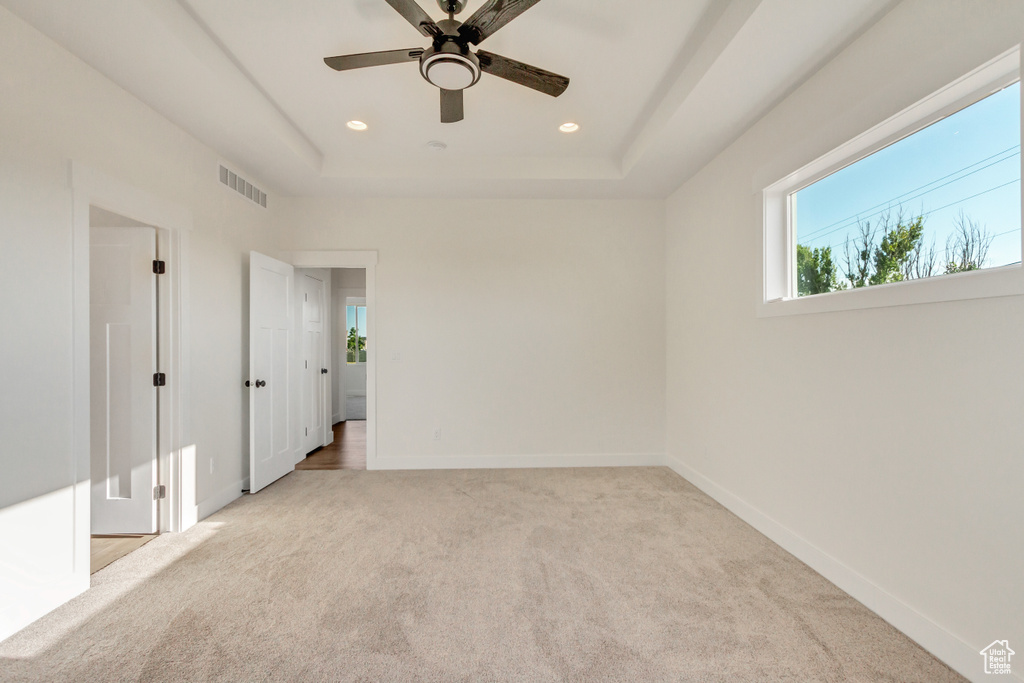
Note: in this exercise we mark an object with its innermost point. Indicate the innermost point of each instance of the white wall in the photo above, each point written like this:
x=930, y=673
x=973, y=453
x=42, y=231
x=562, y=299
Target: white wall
x=882, y=446
x=530, y=332
x=56, y=109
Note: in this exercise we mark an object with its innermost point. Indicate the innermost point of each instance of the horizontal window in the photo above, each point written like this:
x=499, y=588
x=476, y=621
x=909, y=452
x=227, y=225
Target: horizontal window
x=944, y=200
x=924, y=207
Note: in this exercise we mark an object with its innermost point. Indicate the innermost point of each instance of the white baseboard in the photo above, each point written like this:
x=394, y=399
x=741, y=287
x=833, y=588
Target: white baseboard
x=336, y=418
x=468, y=462
x=963, y=658
x=220, y=499
x=29, y=605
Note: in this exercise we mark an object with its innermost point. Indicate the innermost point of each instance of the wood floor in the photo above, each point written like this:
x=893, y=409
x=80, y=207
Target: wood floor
x=106, y=549
x=348, y=452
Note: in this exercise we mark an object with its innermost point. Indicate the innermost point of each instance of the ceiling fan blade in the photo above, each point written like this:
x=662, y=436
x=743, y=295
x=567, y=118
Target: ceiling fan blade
x=451, y=106
x=492, y=16
x=523, y=74
x=346, y=62
x=415, y=15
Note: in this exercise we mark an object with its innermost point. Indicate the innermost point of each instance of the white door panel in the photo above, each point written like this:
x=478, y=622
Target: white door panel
x=123, y=360
x=313, y=362
x=270, y=320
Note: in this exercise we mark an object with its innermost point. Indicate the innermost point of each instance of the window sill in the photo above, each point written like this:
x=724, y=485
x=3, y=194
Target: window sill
x=978, y=284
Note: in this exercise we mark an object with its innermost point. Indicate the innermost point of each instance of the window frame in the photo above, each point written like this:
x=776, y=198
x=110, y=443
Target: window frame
x=779, y=294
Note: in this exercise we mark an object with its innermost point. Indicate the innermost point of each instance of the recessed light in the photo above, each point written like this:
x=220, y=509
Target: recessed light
x=357, y=125
x=569, y=127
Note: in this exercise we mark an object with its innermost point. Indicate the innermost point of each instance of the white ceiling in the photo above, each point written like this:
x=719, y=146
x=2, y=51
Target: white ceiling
x=658, y=88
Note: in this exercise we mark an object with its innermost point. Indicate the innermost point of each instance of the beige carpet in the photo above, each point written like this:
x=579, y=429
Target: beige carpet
x=489, y=575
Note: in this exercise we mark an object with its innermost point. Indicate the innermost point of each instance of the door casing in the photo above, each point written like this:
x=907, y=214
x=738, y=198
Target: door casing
x=176, y=459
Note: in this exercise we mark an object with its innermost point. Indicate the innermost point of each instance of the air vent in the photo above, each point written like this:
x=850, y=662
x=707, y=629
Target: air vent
x=242, y=186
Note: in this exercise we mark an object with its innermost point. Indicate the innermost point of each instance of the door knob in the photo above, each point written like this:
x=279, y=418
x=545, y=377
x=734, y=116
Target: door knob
x=260, y=383
x=323, y=371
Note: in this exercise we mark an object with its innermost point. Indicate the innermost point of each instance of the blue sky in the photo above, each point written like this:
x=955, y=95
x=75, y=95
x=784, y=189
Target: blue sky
x=969, y=161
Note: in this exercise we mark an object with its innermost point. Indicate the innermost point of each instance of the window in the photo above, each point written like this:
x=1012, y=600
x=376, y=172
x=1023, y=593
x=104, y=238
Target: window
x=935, y=190
x=944, y=200
x=355, y=349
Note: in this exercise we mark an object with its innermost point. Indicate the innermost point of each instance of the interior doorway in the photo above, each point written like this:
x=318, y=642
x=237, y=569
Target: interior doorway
x=124, y=381
x=366, y=262
x=343, y=330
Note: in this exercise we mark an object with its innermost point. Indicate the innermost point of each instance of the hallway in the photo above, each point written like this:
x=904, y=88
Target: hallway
x=346, y=452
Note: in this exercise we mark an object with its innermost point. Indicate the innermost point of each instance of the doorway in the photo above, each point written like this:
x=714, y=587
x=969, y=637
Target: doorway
x=332, y=367
x=356, y=436
x=124, y=380
x=94, y=190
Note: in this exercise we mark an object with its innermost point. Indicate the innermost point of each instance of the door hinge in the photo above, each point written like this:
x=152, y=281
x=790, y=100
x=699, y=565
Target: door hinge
x=159, y=379
x=159, y=267
x=159, y=492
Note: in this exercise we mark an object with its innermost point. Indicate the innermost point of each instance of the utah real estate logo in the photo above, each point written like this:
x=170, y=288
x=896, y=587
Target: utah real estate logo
x=997, y=657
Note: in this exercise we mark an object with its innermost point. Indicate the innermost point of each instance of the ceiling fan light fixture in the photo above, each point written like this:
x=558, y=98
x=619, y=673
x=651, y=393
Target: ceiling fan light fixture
x=569, y=127
x=357, y=125
x=448, y=68
x=449, y=74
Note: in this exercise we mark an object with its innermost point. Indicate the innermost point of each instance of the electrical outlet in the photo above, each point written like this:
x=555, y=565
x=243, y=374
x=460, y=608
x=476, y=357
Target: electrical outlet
x=397, y=355
x=437, y=433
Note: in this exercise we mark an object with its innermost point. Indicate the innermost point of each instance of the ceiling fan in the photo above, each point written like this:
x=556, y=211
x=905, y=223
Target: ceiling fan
x=449, y=63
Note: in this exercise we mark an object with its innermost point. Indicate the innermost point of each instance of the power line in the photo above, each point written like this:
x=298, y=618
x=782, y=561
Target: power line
x=929, y=212
x=937, y=180
x=858, y=217
x=966, y=199
x=1000, y=234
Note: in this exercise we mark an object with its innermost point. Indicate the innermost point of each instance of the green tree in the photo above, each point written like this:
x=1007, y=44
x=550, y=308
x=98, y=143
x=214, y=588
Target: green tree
x=892, y=250
x=356, y=351
x=815, y=271
x=897, y=256
x=892, y=258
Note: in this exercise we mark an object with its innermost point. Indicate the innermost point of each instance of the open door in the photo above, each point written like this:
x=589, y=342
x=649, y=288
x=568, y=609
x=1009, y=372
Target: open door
x=123, y=363
x=271, y=316
x=314, y=421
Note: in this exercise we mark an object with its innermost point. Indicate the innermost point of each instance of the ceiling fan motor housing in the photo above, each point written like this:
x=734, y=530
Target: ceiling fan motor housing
x=449, y=66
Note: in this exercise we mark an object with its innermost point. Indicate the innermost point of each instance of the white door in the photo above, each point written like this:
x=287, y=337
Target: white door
x=270, y=328
x=313, y=364
x=122, y=342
